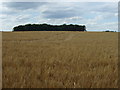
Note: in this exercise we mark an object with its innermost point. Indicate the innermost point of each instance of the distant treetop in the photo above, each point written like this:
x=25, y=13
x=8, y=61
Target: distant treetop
x=48, y=27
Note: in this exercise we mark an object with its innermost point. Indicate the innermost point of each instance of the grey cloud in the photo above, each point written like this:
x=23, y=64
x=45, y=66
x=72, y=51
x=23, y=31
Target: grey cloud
x=78, y=9
x=9, y=12
x=56, y=12
x=59, y=14
x=13, y=8
x=111, y=8
x=62, y=10
x=23, y=5
x=107, y=9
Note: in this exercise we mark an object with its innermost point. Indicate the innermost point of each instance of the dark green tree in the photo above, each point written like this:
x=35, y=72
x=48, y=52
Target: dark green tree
x=48, y=27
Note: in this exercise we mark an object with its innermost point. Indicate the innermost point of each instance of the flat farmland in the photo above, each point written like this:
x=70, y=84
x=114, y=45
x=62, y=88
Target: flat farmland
x=59, y=59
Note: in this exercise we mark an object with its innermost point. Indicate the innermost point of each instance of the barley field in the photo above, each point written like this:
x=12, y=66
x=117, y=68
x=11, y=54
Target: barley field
x=59, y=59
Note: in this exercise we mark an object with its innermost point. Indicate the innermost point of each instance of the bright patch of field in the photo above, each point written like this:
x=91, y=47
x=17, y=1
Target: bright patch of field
x=53, y=59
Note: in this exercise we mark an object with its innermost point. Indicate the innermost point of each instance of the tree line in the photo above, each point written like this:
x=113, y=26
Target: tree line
x=48, y=27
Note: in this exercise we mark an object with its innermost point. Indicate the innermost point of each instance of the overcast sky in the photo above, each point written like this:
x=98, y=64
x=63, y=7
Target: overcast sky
x=99, y=16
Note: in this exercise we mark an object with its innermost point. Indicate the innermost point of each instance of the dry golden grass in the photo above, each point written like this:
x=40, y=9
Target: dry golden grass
x=53, y=59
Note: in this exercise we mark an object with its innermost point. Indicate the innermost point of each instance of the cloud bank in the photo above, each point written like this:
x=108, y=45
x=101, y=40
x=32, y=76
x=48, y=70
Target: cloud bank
x=95, y=15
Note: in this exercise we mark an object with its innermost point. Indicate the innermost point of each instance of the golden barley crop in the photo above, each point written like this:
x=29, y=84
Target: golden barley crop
x=60, y=59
